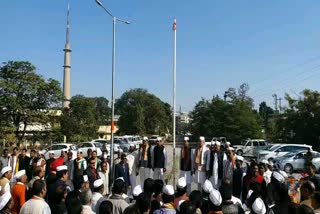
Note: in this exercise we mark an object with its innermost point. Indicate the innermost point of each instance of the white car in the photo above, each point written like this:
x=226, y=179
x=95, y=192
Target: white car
x=94, y=146
x=56, y=148
x=249, y=147
x=281, y=150
x=107, y=143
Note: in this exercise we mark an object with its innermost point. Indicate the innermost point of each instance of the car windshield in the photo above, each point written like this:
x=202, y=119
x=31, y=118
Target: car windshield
x=244, y=142
x=97, y=144
x=274, y=147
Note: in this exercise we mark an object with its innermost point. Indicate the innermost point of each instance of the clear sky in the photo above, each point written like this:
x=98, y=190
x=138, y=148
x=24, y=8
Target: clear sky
x=274, y=46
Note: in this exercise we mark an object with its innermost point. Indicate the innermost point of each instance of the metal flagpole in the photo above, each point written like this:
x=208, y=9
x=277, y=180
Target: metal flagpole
x=174, y=99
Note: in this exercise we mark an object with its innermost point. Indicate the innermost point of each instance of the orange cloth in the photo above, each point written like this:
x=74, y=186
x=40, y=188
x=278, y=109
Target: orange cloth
x=18, y=193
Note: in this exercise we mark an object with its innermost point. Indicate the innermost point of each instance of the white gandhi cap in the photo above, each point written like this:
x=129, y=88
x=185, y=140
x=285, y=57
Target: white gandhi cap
x=240, y=158
x=5, y=170
x=182, y=183
x=20, y=174
x=258, y=206
x=168, y=190
x=137, y=190
x=215, y=197
x=207, y=186
x=278, y=176
x=4, y=199
x=186, y=138
x=201, y=138
x=145, y=138
x=85, y=178
x=63, y=167
x=97, y=183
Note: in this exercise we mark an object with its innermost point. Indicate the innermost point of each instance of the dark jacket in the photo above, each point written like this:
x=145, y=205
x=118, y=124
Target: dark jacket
x=145, y=163
x=91, y=176
x=158, y=157
x=220, y=164
x=185, y=163
x=122, y=171
x=48, y=162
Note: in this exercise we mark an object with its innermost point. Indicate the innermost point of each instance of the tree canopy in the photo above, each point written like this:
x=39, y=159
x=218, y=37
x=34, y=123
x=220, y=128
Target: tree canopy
x=142, y=113
x=234, y=119
x=26, y=96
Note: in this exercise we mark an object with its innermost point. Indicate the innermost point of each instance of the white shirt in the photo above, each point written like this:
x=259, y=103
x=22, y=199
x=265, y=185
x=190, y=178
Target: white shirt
x=105, y=178
x=86, y=209
x=36, y=205
x=95, y=198
x=267, y=176
x=132, y=162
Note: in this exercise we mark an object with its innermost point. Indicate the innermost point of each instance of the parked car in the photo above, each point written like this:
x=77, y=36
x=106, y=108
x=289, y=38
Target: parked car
x=107, y=143
x=122, y=144
x=95, y=146
x=56, y=148
x=153, y=138
x=296, y=161
x=281, y=150
x=249, y=147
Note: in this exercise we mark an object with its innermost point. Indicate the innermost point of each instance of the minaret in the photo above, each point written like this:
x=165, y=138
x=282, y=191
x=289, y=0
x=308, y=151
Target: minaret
x=67, y=66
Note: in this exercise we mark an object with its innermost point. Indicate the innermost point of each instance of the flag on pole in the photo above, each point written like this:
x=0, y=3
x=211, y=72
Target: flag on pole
x=174, y=24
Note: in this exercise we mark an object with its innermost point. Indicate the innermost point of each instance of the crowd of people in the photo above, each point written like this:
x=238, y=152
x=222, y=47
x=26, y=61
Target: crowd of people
x=225, y=183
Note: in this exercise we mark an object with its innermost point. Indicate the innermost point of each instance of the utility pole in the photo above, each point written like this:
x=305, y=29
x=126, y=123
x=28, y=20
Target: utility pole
x=275, y=102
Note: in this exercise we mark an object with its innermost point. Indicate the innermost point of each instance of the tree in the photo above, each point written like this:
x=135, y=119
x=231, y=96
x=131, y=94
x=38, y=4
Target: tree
x=79, y=122
x=142, y=113
x=234, y=119
x=300, y=123
x=266, y=113
x=25, y=96
x=102, y=110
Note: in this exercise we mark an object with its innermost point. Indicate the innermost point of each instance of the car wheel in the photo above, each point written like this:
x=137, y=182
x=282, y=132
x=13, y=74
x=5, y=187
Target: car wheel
x=240, y=152
x=288, y=168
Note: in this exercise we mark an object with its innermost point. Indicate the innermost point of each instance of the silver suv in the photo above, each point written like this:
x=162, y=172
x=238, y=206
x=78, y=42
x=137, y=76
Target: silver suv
x=250, y=147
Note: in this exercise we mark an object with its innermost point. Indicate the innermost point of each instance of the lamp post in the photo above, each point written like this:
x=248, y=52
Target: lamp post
x=114, y=20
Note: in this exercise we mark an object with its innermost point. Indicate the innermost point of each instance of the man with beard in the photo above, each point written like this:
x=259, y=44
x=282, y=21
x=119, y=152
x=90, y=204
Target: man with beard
x=186, y=163
x=215, y=165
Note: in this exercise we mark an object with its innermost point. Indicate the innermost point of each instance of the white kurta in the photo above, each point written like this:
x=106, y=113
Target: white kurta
x=35, y=205
x=267, y=176
x=105, y=178
x=133, y=163
x=95, y=198
x=200, y=173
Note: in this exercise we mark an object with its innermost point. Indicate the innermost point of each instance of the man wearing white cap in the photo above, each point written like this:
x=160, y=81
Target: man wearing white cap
x=167, y=199
x=80, y=165
x=159, y=163
x=13, y=162
x=97, y=193
x=238, y=175
x=62, y=176
x=181, y=192
x=6, y=174
x=268, y=171
x=145, y=161
x=215, y=164
x=19, y=191
x=200, y=163
x=49, y=161
x=215, y=201
x=186, y=162
x=4, y=159
x=132, y=160
x=229, y=164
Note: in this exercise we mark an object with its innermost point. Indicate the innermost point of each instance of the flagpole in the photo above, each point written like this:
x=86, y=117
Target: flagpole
x=174, y=98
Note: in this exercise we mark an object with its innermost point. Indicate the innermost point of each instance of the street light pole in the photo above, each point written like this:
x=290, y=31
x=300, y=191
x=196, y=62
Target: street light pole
x=114, y=20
